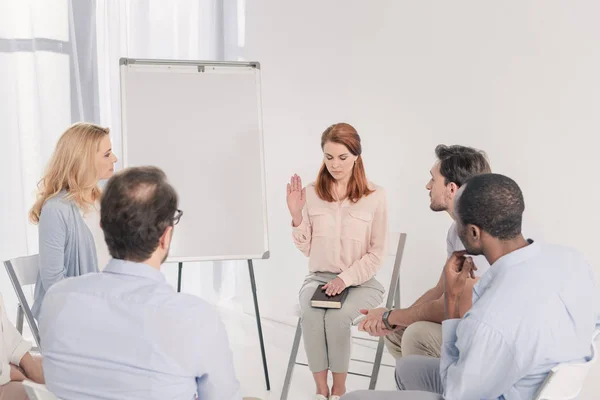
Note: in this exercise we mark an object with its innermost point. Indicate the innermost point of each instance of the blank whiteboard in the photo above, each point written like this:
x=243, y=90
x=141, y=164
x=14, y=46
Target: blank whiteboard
x=200, y=122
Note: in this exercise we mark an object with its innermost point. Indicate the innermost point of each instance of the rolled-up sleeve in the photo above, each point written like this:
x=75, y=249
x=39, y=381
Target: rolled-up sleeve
x=14, y=346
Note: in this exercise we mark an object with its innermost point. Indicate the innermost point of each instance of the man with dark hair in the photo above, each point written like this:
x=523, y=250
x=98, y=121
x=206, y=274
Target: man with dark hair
x=535, y=308
x=125, y=333
x=419, y=329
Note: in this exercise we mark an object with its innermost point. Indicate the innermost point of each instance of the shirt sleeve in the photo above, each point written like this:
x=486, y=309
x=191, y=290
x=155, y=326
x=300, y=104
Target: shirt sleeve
x=367, y=266
x=52, y=241
x=467, y=370
x=302, y=234
x=216, y=379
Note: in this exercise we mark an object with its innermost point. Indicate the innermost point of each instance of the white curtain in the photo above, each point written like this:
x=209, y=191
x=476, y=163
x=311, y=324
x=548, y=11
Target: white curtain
x=59, y=63
x=40, y=95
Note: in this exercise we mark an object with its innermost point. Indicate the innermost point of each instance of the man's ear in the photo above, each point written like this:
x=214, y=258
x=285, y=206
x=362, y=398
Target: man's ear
x=453, y=188
x=474, y=232
x=165, y=239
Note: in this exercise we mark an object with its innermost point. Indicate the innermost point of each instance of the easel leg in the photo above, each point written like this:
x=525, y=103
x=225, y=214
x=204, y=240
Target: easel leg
x=179, y=277
x=258, y=323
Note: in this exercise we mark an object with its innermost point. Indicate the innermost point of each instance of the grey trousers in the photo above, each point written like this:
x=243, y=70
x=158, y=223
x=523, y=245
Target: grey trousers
x=327, y=332
x=417, y=377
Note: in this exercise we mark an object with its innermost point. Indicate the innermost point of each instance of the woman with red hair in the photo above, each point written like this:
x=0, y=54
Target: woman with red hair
x=340, y=223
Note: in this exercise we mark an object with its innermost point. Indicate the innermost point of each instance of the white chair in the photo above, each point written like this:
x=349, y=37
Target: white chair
x=565, y=381
x=23, y=271
x=396, y=250
x=35, y=391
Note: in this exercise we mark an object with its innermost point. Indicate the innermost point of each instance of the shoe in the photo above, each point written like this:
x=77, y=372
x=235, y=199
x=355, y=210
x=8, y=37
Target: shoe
x=336, y=397
x=320, y=397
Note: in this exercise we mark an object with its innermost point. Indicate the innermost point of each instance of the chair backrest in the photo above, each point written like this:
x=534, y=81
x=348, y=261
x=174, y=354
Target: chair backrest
x=393, y=240
x=35, y=391
x=397, y=241
x=565, y=381
x=23, y=271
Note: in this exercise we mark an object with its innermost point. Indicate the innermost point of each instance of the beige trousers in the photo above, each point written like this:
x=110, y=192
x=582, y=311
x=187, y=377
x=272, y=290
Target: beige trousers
x=419, y=339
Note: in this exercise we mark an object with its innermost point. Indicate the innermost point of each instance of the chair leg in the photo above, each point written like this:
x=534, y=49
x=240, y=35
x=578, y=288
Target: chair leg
x=397, y=295
x=20, y=319
x=292, y=362
x=34, y=330
x=376, y=365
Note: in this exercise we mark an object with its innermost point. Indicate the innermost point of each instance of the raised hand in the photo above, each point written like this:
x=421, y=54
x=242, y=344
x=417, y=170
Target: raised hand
x=296, y=198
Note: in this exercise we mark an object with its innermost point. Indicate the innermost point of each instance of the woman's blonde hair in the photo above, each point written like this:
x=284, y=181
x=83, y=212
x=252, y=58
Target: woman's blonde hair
x=72, y=167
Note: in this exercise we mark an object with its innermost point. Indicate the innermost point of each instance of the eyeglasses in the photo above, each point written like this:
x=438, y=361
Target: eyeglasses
x=177, y=217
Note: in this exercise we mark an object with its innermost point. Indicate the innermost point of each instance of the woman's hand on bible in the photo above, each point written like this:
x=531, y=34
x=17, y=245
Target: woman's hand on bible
x=296, y=197
x=334, y=287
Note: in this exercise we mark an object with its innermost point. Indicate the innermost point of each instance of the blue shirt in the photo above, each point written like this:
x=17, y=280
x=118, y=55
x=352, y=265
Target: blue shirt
x=535, y=308
x=125, y=333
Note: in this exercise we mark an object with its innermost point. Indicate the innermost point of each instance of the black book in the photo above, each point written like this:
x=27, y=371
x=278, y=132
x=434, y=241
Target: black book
x=321, y=300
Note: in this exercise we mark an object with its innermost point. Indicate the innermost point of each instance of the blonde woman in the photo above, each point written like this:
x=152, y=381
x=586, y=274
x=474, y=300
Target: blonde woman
x=67, y=211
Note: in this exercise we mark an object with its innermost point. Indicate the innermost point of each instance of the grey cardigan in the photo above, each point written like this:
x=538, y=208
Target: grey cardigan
x=66, y=246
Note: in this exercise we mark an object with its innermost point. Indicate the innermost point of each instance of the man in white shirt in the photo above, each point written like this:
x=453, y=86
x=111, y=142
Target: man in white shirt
x=422, y=334
x=125, y=333
x=16, y=363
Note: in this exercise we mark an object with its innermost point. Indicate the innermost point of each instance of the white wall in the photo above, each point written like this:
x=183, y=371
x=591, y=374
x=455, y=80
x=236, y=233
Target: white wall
x=517, y=79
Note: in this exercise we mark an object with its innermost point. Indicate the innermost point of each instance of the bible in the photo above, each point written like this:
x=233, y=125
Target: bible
x=321, y=300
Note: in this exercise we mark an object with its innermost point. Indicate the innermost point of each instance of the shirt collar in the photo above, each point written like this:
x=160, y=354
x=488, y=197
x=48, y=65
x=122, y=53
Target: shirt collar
x=123, y=267
x=514, y=257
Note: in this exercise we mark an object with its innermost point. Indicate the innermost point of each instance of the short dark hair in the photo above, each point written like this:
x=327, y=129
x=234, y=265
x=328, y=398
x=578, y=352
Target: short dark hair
x=494, y=203
x=459, y=163
x=138, y=204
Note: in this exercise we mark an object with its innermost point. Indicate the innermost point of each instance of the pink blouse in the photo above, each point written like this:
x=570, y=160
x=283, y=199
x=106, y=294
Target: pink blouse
x=345, y=238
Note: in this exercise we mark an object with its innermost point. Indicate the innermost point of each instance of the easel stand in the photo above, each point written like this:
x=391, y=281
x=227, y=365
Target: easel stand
x=256, y=310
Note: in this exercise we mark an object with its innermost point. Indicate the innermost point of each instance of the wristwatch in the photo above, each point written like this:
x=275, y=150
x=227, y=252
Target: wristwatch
x=385, y=317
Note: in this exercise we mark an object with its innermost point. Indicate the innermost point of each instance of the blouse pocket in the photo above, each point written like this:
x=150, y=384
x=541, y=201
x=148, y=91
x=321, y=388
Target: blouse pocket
x=321, y=221
x=357, y=225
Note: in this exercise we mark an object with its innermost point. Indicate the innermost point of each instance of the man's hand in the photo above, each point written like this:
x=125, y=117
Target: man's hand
x=457, y=270
x=334, y=287
x=373, y=323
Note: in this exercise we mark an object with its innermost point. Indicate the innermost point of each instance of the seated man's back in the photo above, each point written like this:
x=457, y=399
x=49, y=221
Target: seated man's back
x=125, y=333
x=535, y=308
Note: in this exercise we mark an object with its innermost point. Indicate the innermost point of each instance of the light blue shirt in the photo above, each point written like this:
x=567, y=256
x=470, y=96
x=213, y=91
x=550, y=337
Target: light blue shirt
x=125, y=333
x=535, y=307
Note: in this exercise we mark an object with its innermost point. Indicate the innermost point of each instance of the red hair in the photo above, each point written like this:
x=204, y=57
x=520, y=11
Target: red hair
x=358, y=185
